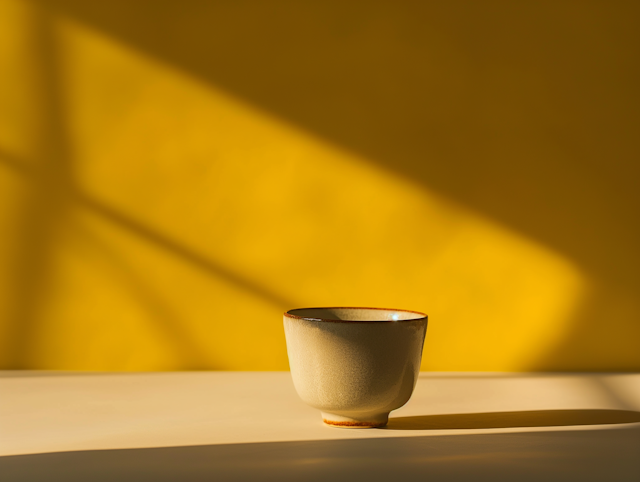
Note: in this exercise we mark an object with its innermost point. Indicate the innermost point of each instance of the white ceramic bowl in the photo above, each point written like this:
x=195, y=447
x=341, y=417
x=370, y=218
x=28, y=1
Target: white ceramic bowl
x=355, y=364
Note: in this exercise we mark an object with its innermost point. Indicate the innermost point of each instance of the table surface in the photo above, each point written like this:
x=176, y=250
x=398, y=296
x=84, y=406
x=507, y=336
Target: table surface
x=251, y=425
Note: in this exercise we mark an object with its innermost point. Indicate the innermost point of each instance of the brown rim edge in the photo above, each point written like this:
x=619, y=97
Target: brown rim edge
x=355, y=424
x=309, y=318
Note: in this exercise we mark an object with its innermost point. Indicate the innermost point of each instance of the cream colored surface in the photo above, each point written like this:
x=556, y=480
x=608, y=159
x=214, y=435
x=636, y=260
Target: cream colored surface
x=53, y=412
x=355, y=371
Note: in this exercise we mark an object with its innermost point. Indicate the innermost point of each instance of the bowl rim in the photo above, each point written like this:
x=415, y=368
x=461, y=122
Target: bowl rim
x=288, y=314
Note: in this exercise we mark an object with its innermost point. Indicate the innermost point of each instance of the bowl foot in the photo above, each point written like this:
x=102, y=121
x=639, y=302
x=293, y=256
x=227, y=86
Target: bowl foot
x=368, y=421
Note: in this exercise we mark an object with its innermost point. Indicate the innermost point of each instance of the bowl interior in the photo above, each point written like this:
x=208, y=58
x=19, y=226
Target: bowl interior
x=347, y=314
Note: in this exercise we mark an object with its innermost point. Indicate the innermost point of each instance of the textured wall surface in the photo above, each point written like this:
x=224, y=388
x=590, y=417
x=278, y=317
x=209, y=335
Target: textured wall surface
x=174, y=175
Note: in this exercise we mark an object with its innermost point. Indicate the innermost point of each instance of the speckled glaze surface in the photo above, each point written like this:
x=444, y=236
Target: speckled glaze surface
x=354, y=364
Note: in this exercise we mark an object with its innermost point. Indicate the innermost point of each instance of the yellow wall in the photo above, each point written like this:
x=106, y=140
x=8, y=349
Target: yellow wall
x=174, y=175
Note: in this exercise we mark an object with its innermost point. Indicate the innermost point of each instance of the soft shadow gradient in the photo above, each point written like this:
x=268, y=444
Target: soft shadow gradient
x=594, y=455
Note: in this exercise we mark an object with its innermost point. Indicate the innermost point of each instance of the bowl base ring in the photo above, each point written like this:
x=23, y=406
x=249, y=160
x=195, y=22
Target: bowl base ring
x=369, y=421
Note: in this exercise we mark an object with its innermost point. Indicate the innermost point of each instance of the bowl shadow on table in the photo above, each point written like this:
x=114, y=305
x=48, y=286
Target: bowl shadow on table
x=521, y=419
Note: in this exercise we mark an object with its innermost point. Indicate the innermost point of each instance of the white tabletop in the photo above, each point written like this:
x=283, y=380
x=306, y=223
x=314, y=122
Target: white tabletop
x=252, y=426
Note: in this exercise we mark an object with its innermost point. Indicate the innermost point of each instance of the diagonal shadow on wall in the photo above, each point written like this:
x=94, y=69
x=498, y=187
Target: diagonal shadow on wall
x=388, y=83
x=526, y=113
x=34, y=270
x=52, y=197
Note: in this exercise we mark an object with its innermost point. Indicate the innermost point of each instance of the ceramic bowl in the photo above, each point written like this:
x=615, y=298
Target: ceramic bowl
x=354, y=364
